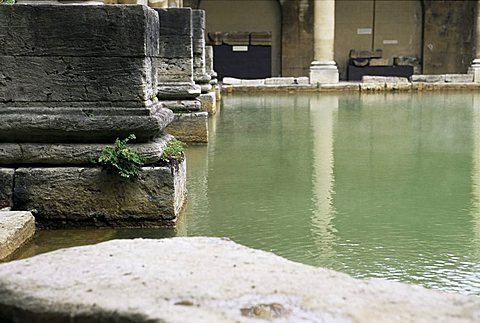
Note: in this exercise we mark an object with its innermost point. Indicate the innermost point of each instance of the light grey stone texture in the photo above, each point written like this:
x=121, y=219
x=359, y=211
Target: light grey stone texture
x=231, y=81
x=50, y=30
x=90, y=196
x=256, y=82
x=459, y=78
x=178, y=90
x=209, y=102
x=6, y=187
x=70, y=79
x=60, y=128
x=65, y=154
x=286, y=81
x=190, y=127
x=440, y=78
x=16, y=228
x=174, y=70
x=199, y=279
x=182, y=105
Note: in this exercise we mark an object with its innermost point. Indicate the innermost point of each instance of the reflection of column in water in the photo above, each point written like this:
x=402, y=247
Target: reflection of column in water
x=476, y=172
x=323, y=109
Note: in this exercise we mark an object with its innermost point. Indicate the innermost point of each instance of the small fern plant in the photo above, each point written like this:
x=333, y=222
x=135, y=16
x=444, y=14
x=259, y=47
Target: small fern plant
x=173, y=153
x=121, y=159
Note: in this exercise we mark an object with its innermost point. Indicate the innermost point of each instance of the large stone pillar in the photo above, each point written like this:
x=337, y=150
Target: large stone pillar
x=200, y=75
x=475, y=68
x=323, y=68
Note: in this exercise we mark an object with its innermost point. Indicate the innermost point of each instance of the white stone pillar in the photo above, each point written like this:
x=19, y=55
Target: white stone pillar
x=475, y=67
x=323, y=68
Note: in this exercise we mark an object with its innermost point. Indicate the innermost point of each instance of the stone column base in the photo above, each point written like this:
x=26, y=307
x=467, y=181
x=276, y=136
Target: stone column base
x=190, y=127
x=323, y=72
x=209, y=102
x=89, y=196
x=475, y=70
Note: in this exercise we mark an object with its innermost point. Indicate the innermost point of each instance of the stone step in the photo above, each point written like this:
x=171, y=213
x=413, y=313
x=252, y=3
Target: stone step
x=16, y=228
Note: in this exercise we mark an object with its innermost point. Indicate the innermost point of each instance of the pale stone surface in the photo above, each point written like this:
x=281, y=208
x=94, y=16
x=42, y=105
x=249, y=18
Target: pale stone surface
x=89, y=196
x=458, y=78
x=256, y=82
x=207, y=280
x=16, y=228
x=231, y=81
x=182, y=105
x=178, y=90
x=190, y=127
x=209, y=102
x=6, y=187
x=70, y=154
x=428, y=78
x=286, y=81
x=323, y=72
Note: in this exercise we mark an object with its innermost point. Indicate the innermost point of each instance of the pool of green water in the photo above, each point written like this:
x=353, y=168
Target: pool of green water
x=374, y=185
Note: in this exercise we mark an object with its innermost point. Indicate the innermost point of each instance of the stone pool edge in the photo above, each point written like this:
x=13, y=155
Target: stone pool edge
x=200, y=279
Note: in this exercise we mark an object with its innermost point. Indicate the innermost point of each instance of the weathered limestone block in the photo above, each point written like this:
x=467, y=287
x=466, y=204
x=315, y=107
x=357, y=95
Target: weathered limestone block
x=89, y=196
x=209, y=102
x=190, y=127
x=55, y=128
x=182, y=105
x=174, y=70
x=380, y=86
x=200, y=279
x=16, y=228
x=257, y=82
x=440, y=78
x=178, y=90
x=68, y=154
x=50, y=30
x=209, y=65
x=200, y=75
x=459, y=78
x=6, y=187
x=68, y=78
x=231, y=81
x=285, y=81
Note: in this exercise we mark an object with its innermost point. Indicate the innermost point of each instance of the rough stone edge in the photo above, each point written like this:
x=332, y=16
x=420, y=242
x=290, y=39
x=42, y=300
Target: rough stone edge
x=352, y=87
x=74, y=154
x=15, y=236
x=350, y=299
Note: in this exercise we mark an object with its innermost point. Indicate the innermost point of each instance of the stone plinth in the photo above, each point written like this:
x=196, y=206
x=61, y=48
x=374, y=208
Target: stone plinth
x=191, y=127
x=16, y=228
x=200, y=75
x=72, y=80
x=89, y=196
x=177, y=90
x=206, y=280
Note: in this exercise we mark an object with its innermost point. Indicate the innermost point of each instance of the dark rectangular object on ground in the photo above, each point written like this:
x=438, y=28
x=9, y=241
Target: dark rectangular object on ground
x=355, y=73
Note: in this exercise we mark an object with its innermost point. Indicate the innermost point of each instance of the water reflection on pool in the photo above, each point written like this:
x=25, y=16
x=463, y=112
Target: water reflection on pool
x=378, y=185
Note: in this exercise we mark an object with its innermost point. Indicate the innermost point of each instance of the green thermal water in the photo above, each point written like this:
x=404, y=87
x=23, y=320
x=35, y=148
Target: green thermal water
x=374, y=185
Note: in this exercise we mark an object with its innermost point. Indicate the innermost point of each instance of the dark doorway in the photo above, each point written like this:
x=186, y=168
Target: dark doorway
x=246, y=62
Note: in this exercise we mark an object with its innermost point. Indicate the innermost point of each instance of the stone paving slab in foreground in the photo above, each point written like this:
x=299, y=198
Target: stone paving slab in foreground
x=16, y=228
x=206, y=280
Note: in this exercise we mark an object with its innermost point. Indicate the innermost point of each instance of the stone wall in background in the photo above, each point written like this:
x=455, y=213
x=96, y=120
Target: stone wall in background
x=449, y=36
